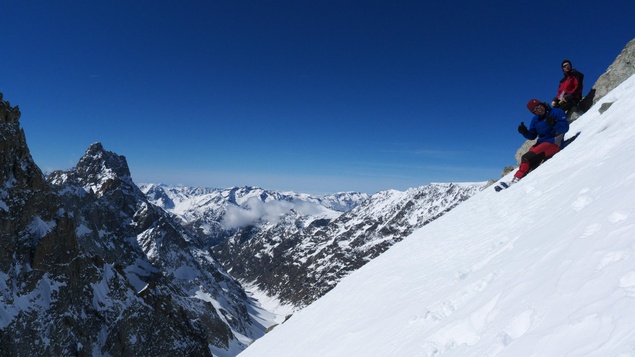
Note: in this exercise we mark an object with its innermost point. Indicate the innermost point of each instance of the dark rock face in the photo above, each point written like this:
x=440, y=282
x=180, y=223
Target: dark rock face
x=89, y=267
x=17, y=166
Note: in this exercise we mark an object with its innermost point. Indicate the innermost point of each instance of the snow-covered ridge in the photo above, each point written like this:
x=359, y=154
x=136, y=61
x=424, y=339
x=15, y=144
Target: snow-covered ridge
x=240, y=206
x=545, y=268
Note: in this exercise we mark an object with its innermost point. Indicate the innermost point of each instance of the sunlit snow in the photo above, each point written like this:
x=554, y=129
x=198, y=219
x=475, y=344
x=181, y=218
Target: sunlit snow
x=545, y=268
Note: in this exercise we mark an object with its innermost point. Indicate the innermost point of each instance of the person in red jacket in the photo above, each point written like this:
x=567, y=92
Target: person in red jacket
x=570, y=88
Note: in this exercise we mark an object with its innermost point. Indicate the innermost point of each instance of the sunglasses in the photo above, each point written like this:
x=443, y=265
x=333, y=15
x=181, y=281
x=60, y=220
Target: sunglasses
x=566, y=65
x=536, y=108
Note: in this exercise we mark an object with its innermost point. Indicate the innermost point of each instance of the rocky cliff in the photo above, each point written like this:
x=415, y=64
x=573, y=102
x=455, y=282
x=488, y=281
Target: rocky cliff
x=89, y=267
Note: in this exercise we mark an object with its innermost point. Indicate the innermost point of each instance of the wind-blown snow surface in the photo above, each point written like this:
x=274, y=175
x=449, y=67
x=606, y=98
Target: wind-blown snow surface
x=545, y=268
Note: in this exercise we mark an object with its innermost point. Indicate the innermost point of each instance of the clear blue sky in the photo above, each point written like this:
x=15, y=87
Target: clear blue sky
x=315, y=97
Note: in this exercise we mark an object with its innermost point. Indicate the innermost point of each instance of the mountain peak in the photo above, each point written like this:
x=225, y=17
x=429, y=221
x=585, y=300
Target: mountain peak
x=99, y=169
x=95, y=147
x=107, y=162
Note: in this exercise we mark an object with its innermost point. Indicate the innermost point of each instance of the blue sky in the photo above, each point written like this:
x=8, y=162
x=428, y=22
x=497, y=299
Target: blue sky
x=313, y=97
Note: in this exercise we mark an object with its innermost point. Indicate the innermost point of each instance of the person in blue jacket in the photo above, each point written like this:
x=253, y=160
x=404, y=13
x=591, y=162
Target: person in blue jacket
x=548, y=125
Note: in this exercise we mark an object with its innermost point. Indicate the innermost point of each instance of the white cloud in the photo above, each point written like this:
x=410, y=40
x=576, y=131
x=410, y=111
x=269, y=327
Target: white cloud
x=254, y=210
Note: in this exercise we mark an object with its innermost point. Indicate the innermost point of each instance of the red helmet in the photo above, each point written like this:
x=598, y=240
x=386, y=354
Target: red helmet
x=533, y=104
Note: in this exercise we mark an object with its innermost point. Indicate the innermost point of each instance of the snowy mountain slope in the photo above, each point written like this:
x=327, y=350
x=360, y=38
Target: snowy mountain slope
x=545, y=268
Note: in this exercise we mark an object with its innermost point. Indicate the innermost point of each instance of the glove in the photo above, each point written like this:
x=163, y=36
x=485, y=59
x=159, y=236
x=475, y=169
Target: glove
x=522, y=128
x=551, y=120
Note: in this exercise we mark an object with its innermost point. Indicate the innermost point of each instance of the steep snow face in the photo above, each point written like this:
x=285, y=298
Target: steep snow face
x=545, y=268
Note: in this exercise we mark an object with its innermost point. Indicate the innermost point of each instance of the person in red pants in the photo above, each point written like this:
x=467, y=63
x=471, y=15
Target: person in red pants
x=548, y=125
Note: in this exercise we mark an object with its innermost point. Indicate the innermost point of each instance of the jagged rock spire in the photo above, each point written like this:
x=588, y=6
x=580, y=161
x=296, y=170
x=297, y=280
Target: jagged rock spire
x=17, y=168
x=8, y=114
x=100, y=170
x=107, y=162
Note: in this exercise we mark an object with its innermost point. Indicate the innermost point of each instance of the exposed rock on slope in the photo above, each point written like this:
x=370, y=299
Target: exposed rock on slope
x=621, y=69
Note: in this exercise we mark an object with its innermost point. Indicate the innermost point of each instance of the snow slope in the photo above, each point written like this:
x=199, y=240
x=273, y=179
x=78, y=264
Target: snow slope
x=545, y=268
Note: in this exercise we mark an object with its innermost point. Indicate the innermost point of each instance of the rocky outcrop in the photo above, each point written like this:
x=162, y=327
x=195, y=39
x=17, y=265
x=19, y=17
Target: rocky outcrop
x=8, y=114
x=89, y=267
x=621, y=69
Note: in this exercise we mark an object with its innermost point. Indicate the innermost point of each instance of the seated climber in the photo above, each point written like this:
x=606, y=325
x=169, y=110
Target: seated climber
x=569, y=89
x=548, y=125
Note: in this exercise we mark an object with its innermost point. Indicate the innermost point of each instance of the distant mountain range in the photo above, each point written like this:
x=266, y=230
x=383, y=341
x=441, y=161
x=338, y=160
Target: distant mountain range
x=296, y=247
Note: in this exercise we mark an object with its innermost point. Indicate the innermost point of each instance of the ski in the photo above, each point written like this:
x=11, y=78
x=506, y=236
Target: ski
x=501, y=186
